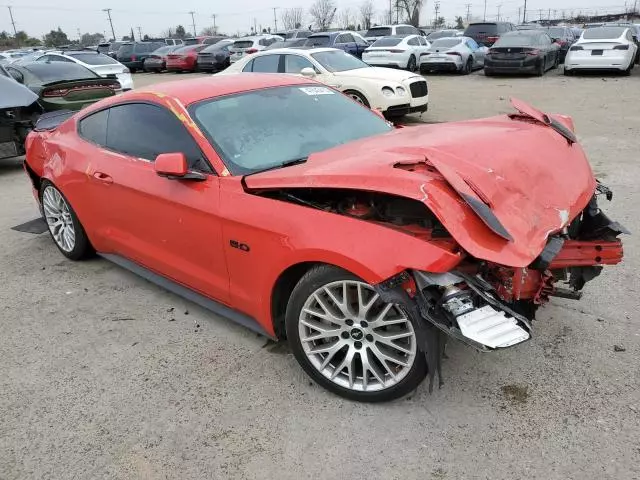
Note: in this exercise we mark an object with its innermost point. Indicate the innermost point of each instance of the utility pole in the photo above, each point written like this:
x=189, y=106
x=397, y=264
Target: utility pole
x=499, y=12
x=139, y=33
x=519, y=10
x=12, y=22
x=436, y=7
x=390, y=13
x=193, y=22
x=540, y=13
x=524, y=13
x=79, y=37
x=255, y=23
x=549, y=15
x=484, y=17
x=468, y=5
x=215, y=30
x=275, y=19
x=113, y=32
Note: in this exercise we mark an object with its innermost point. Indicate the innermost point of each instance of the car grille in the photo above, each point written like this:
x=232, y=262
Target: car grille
x=419, y=89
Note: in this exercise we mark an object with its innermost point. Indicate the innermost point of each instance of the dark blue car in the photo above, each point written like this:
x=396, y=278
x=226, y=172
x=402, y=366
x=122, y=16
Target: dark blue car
x=350, y=42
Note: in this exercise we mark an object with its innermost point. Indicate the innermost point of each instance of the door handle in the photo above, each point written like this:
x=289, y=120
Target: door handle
x=103, y=177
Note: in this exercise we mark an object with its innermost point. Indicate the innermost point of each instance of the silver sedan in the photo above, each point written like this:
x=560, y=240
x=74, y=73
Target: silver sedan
x=453, y=54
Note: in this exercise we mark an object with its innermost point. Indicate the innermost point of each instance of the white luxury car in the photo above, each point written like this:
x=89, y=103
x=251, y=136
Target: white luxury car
x=98, y=63
x=379, y=31
x=602, y=48
x=393, y=92
x=248, y=45
x=453, y=54
x=400, y=52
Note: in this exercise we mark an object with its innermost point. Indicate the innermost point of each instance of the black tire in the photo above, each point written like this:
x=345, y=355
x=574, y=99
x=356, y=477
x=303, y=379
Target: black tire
x=411, y=64
x=82, y=247
x=540, y=68
x=567, y=73
x=466, y=70
x=489, y=73
x=358, y=97
x=308, y=284
x=627, y=72
x=133, y=69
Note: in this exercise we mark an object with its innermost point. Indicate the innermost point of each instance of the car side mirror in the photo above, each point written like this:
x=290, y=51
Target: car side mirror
x=174, y=166
x=308, y=72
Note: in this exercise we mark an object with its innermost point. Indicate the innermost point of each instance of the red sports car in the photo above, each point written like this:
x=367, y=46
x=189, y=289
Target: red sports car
x=288, y=207
x=184, y=59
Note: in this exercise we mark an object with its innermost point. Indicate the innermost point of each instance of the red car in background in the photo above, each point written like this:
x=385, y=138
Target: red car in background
x=286, y=206
x=184, y=59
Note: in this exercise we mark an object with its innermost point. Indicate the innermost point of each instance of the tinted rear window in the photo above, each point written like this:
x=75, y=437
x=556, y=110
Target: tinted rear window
x=93, y=58
x=243, y=44
x=476, y=28
x=125, y=49
x=446, y=43
x=319, y=41
x=518, y=40
x=190, y=41
x=60, y=71
x=386, y=42
x=304, y=34
x=556, y=32
x=378, y=32
x=601, y=33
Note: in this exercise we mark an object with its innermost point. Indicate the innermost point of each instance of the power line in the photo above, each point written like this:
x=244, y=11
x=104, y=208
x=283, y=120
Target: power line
x=193, y=22
x=113, y=32
x=12, y=22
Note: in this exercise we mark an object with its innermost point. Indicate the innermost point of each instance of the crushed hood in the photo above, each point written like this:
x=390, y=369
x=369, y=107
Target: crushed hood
x=14, y=94
x=499, y=185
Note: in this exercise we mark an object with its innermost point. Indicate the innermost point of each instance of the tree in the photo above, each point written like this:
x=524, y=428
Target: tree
x=91, y=39
x=146, y=38
x=292, y=18
x=366, y=14
x=323, y=12
x=56, y=38
x=411, y=10
x=459, y=23
x=209, y=31
x=439, y=23
x=180, y=32
x=344, y=18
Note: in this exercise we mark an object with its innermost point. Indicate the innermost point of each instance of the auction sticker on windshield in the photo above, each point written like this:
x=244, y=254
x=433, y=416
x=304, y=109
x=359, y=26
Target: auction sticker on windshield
x=317, y=91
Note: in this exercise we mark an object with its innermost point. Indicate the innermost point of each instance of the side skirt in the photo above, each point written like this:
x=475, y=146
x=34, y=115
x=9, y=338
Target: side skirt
x=205, y=302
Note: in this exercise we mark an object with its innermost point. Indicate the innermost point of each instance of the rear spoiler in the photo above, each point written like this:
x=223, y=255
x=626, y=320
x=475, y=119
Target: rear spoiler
x=51, y=120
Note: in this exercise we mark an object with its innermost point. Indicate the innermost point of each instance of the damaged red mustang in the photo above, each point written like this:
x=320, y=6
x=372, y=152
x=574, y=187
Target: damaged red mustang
x=290, y=208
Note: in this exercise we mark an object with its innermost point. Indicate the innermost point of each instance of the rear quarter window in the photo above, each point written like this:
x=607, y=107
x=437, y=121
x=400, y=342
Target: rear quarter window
x=94, y=128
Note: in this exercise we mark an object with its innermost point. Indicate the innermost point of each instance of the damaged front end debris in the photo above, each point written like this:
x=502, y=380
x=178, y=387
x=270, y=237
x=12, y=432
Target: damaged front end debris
x=489, y=306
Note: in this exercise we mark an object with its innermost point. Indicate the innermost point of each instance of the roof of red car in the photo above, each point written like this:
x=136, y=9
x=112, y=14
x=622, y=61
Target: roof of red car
x=190, y=91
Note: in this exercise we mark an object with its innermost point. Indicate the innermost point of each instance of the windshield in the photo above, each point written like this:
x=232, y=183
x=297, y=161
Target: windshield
x=243, y=44
x=318, y=41
x=556, y=32
x=441, y=34
x=338, y=61
x=303, y=34
x=386, y=42
x=446, y=43
x=93, y=58
x=518, y=40
x=378, y=32
x=601, y=33
x=474, y=28
x=60, y=71
x=251, y=131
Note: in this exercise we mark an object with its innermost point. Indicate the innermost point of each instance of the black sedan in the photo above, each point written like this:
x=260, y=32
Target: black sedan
x=525, y=51
x=564, y=37
x=215, y=57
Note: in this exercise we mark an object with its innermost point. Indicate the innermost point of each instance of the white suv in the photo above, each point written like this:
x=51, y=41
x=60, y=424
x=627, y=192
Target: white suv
x=248, y=45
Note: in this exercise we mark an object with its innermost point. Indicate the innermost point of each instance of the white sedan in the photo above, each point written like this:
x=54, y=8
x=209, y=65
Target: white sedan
x=602, y=48
x=393, y=92
x=399, y=52
x=101, y=64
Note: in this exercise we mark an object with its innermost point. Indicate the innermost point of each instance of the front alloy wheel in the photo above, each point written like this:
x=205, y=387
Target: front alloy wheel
x=349, y=340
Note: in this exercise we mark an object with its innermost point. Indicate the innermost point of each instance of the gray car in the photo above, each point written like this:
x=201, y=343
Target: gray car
x=453, y=54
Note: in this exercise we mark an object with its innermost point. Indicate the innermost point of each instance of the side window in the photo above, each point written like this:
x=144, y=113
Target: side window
x=266, y=64
x=422, y=41
x=145, y=131
x=545, y=40
x=56, y=58
x=473, y=45
x=413, y=42
x=403, y=30
x=348, y=38
x=339, y=39
x=248, y=67
x=295, y=63
x=94, y=128
x=263, y=42
x=44, y=58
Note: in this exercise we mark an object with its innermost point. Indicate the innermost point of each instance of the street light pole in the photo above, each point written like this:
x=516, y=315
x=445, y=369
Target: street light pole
x=193, y=22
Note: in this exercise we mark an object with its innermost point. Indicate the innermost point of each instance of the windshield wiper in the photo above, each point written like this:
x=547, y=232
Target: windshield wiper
x=286, y=163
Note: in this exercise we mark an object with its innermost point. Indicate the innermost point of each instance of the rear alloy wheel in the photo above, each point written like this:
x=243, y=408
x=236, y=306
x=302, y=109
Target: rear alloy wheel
x=468, y=66
x=411, y=64
x=357, y=96
x=64, y=226
x=540, y=68
x=349, y=340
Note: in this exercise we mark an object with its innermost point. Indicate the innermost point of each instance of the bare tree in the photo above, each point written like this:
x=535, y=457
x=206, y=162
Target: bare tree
x=366, y=14
x=209, y=32
x=323, y=12
x=411, y=10
x=292, y=18
x=344, y=18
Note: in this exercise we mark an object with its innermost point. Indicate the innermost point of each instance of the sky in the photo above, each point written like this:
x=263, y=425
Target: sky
x=38, y=17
